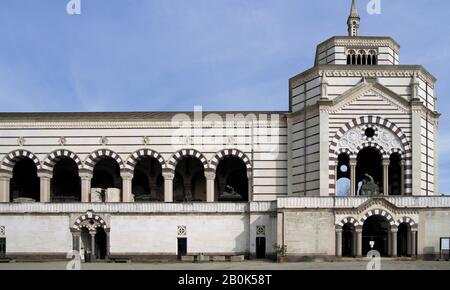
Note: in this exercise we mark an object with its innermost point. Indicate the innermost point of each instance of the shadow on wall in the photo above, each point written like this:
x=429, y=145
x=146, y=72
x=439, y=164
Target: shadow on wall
x=241, y=241
x=429, y=254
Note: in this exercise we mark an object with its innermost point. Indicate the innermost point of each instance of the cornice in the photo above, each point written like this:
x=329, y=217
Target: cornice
x=370, y=41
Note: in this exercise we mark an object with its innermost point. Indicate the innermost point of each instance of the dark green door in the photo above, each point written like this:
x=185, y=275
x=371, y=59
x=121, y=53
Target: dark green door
x=2, y=247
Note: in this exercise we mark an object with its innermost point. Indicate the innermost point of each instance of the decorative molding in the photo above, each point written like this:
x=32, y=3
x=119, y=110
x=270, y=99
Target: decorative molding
x=21, y=141
x=260, y=231
x=104, y=141
x=62, y=141
x=90, y=220
x=146, y=140
x=2, y=232
x=181, y=231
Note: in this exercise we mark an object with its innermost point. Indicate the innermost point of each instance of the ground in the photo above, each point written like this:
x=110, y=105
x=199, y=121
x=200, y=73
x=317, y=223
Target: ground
x=248, y=265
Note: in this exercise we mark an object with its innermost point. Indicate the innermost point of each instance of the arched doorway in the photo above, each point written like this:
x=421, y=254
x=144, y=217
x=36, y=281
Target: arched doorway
x=106, y=179
x=376, y=230
x=231, y=175
x=65, y=183
x=403, y=240
x=395, y=171
x=189, y=183
x=348, y=240
x=24, y=183
x=148, y=182
x=369, y=161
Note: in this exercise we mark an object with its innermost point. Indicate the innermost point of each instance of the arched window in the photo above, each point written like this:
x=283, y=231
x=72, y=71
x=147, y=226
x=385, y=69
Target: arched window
x=343, y=182
x=363, y=57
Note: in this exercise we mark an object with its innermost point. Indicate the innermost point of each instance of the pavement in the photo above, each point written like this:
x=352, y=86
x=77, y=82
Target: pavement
x=247, y=265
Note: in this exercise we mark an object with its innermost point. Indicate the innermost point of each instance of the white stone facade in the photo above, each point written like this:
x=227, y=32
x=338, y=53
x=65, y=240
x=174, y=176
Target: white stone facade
x=356, y=104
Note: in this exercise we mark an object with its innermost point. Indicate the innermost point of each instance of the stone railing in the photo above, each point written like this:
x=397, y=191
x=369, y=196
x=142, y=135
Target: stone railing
x=137, y=207
x=355, y=202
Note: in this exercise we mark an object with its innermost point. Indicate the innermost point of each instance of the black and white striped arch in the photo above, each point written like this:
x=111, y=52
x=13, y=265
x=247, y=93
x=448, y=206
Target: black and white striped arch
x=184, y=153
x=143, y=153
x=12, y=158
x=230, y=152
x=99, y=154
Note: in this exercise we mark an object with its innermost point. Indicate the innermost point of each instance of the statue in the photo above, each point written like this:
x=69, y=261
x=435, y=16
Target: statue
x=230, y=195
x=369, y=187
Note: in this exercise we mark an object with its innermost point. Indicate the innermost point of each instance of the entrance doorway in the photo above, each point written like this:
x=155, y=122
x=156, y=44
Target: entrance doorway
x=375, y=230
x=100, y=244
x=182, y=247
x=348, y=236
x=260, y=247
x=403, y=240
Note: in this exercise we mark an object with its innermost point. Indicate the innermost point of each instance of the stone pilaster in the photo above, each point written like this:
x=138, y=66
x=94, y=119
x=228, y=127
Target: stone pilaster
x=386, y=163
x=127, y=178
x=85, y=187
x=5, y=179
x=168, y=185
x=210, y=178
x=339, y=242
x=44, y=179
x=353, y=163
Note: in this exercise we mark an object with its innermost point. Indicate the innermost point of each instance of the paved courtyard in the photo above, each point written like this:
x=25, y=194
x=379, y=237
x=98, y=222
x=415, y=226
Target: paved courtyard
x=248, y=265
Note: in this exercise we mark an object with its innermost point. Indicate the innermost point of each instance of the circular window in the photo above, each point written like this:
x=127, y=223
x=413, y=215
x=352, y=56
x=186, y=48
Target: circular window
x=370, y=132
x=343, y=168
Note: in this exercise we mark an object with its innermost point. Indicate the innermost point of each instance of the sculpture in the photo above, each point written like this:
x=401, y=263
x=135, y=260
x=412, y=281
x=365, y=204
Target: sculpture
x=369, y=187
x=229, y=194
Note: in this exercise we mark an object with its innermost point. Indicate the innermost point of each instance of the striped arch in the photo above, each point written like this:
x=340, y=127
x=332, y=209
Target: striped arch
x=379, y=212
x=55, y=156
x=344, y=151
x=373, y=121
x=348, y=220
x=138, y=155
x=407, y=220
x=230, y=152
x=93, y=158
x=406, y=155
x=384, y=153
x=90, y=221
x=10, y=160
x=186, y=153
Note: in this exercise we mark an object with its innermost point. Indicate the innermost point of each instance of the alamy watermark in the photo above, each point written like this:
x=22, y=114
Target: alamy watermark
x=75, y=260
x=375, y=258
x=73, y=7
x=374, y=7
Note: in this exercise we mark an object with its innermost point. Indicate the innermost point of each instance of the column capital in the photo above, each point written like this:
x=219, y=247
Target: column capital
x=403, y=162
x=353, y=162
x=249, y=173
x=168, y=175
x=46, y=175
x=92, y=233
x=86, y=175
x=358, y=230
x=394, y=230
x=6, y=175
x=386, y=162
x=210, y=175
x=339, y=231
x=126, y=175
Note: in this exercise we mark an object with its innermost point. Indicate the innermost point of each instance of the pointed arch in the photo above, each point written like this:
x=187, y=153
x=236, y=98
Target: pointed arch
x=173, y=161
x=139, y=154
x=93, y=158
x=230, y=152
x=52, y=158
x=10, y=160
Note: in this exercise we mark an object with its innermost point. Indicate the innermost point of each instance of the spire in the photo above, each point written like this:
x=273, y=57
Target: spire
x=353, y=20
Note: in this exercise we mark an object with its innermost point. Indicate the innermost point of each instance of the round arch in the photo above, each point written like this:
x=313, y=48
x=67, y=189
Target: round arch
x=349, y=220
x=230, y=152
x=10, y=160
x=89, y=220
x=372, y=120
x=173, y=161
x=142, y=153
x=53, y=158
x=92, y=159
x=379, y=212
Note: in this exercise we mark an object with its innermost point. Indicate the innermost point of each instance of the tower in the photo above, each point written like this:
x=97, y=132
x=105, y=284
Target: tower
x=353, y=20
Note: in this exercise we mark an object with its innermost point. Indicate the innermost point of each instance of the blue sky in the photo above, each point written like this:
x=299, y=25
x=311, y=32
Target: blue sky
x=169, y=55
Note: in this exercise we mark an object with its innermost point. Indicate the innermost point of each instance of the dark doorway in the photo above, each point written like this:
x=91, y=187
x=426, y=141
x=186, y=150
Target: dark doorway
x=402, y=240
x=100, y=244
x=2, y=247
x=376, y=229
x=369, y=162
x=260, y=247
x=65, y=184
x=348, y=232
x=182, y=247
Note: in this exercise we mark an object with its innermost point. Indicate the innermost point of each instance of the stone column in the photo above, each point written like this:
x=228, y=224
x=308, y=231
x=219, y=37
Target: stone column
x=108, y=243
x=93, y=233
x=353, y=163
x=85, y=187
x=354, y=243
x=210, y=178
x=76, y=240
x=394, y=241
x=389, y=242
x=250, y=184
x=168, y=185
x=5, y=179
x=413, y=242
x=386, y=163
x=402, y=177
x=339, y=242
x=127, y=178
x=359, y=242
x=44, y=179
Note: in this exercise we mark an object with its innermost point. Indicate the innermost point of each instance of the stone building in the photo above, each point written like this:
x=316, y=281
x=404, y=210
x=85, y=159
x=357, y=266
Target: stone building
x=350, y=166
